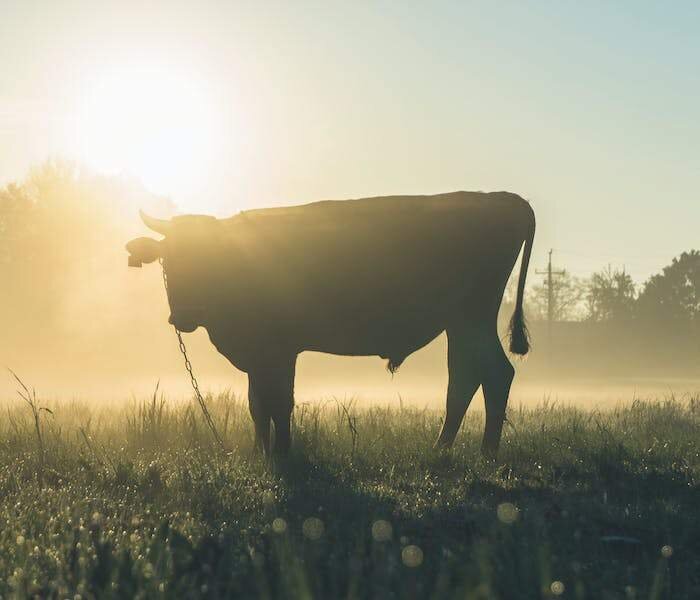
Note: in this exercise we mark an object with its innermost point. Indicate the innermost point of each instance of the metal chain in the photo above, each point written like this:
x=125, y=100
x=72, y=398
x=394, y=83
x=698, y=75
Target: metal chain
x=193, y=379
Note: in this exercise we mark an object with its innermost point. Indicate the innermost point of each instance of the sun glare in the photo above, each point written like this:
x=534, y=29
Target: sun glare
x=157, y=124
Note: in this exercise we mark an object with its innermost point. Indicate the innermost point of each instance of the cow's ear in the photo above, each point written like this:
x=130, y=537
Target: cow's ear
x=143, y=250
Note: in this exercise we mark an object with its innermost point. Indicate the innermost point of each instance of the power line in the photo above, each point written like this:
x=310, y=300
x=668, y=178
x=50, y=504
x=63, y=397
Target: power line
x=617, y=257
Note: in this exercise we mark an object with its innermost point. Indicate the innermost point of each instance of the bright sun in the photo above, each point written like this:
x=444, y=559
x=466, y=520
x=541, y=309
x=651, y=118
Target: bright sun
x=158, y=124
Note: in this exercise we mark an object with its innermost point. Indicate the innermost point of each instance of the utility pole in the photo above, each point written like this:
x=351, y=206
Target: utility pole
x=550, y=294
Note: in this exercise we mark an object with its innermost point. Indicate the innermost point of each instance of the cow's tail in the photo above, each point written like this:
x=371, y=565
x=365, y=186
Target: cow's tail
x=519, y=337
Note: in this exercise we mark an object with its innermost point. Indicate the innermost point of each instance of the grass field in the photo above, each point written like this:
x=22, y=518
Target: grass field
x=136, y=501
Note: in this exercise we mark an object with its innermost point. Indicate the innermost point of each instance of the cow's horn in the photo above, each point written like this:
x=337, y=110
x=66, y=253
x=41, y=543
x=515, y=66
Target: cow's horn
x=158, y=225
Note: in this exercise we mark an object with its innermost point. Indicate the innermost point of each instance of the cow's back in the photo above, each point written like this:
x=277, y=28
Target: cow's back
x=380, y=243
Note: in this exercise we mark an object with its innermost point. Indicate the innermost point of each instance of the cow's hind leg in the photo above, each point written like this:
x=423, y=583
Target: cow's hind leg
x=497, y=377
x=464, y=372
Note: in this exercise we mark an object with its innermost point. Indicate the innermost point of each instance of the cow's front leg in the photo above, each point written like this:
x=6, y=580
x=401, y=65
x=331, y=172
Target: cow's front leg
x=271, y=397
x=260, y=415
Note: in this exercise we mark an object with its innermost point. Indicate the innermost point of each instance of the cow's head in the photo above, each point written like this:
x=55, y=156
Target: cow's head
x=185, y=251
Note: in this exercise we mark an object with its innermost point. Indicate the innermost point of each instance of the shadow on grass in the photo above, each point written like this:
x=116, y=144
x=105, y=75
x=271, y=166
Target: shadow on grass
x=490, y=532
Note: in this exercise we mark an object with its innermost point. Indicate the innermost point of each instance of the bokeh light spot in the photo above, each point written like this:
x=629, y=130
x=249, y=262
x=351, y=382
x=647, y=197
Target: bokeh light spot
x=412, y=556
x=557, y=588
x=312, y=528
x=381, y=531
x=507, y=513
x=279, y=525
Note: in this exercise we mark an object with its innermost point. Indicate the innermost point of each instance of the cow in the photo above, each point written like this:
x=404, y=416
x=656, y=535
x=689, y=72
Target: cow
x=372, y=276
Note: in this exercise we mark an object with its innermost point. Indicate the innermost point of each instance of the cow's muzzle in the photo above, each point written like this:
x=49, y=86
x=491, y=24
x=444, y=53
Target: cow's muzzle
x=143, y=250
x=187, y=320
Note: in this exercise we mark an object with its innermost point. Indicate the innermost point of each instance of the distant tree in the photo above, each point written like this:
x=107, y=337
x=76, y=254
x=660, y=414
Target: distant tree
x=60, y=228
x=611, y=296
x=673, y=296
x=15, y=218
x=567, y=295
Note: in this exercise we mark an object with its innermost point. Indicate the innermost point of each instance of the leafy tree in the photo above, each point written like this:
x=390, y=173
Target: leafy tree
x=567, y=293
x=611, y=296
x=61, y=230
x=673, y=296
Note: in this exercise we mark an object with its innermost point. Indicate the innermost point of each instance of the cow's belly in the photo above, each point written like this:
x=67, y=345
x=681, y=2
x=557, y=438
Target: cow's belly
x=385, y=342
x=393, y=336
x=390, y=335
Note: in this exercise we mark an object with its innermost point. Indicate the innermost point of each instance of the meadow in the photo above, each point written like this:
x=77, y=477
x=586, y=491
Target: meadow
x=135, y=500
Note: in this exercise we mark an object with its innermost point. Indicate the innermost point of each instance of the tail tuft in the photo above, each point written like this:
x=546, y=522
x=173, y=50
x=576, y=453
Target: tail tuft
x=519, y=336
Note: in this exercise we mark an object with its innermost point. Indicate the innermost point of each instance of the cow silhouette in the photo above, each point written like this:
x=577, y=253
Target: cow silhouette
x=374, y=276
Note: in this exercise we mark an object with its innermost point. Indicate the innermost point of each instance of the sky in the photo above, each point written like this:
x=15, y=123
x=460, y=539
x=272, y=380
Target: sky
x=589, y=110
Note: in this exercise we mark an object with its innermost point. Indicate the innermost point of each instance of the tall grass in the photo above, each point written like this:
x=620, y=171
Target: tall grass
x=135, y=500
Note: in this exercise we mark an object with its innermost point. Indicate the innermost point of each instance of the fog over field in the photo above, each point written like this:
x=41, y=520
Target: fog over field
x=78, y=323
x=421, y=381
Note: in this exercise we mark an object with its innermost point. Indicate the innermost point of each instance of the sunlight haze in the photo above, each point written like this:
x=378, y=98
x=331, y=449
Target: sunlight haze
x=349, y=299
x=155, y=123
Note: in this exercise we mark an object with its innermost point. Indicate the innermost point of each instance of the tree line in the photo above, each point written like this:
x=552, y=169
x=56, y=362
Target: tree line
x=62, y=233
x=670, y=298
